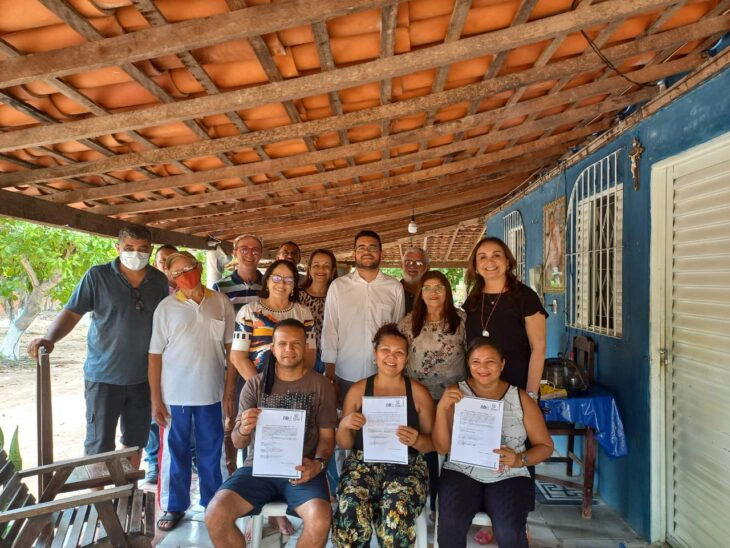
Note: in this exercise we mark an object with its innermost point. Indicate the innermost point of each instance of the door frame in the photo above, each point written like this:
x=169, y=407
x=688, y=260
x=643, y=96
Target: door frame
x=663, y=174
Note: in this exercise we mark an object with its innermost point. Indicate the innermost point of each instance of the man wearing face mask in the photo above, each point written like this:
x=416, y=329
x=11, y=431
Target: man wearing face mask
x=122, y=295
x=192, y=332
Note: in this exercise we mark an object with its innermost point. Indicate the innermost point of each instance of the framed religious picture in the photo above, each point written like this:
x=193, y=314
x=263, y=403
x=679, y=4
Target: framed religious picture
x=553, y=277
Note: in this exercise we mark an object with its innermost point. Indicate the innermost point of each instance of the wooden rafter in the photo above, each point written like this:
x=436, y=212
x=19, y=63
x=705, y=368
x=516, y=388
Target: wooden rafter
x=174, y=38
x=203, y=148
x=353, y=149
x=463, y=115
x=342, y=77
x=279, y=186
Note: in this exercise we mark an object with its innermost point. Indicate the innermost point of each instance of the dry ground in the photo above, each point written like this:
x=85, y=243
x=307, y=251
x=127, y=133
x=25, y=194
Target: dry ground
x=18, y=394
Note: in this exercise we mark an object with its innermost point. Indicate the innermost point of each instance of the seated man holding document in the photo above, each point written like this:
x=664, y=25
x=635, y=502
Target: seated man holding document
x=483, y=423
x=386, y=421
x=288, y=416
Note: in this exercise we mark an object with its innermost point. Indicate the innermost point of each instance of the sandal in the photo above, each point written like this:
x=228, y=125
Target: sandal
x=483, y=536
x=169, y=520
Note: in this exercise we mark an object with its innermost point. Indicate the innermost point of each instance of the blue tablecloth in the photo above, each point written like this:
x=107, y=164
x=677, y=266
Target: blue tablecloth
x=595, y=408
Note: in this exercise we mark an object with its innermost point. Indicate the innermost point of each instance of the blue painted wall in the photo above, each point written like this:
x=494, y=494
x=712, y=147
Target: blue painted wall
x=623, y=364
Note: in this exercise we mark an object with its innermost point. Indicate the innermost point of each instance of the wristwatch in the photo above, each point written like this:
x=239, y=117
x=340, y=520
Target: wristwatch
x=533, y=395
x=322, y=463
x=525, y=459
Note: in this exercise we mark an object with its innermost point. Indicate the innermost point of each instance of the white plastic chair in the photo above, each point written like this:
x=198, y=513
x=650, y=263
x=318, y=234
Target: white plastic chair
x=272, y=509
x=481, y=519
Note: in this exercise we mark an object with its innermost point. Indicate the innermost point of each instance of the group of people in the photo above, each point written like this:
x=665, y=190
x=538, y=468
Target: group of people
x=202, y=363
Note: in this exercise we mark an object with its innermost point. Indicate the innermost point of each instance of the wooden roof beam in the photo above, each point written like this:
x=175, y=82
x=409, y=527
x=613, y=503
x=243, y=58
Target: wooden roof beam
x=348, y=120
x=345, y=173
x=388, y=22
x=373, y=199
x=327, y=63
x=20, y=206
x=456, y=25
x=261, y=49
x=156, y=18
x=81, y=25
x=439, y=55
x=347, y=192
x=430, y=203
x=522, y=15
x=390, y=232
x=176, y=37
x=289, y=162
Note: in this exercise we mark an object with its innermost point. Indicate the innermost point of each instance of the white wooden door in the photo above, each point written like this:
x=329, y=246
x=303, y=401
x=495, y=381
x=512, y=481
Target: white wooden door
x=697, y=339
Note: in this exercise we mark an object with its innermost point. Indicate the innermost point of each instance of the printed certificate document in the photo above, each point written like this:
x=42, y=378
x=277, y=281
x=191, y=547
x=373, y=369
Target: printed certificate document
x=383, y=416
x=279, y=443
x=477, y=432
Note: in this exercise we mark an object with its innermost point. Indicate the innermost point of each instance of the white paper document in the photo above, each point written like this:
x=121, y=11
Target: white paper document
x=477, y=432
x=383, y=416
x=279, y=443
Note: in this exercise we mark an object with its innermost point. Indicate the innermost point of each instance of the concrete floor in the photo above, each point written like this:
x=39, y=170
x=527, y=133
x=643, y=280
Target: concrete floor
x=549, y=526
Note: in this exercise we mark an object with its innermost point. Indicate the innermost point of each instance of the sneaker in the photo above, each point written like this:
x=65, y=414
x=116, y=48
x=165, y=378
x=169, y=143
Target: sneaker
x=151, y=475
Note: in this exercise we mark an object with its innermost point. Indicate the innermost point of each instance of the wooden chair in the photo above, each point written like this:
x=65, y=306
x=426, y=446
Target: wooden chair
x=584, y=350
x=119, y=516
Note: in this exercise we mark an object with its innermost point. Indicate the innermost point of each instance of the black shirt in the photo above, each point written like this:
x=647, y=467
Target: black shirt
x=507, y=327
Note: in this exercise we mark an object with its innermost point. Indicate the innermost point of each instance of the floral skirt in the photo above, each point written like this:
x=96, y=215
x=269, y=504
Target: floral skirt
x=388, y=497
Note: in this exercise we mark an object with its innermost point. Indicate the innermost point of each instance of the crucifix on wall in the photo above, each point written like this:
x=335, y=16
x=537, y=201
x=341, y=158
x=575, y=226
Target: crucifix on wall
x=636, y=151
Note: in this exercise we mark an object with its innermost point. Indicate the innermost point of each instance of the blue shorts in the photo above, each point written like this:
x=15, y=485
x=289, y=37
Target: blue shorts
x=259, y=491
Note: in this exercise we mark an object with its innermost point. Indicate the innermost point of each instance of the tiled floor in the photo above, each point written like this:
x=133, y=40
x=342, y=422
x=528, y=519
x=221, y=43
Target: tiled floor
x=550, y=526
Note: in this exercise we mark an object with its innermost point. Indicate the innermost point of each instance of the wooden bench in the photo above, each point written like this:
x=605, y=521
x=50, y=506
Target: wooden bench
x=118, y=516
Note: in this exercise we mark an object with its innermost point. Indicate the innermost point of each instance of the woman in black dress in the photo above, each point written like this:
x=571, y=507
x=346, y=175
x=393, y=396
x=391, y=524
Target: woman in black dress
x=504, y=309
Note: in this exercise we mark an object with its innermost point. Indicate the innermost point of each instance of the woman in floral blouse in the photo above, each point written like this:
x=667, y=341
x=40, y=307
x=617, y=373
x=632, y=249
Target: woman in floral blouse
x=436, y=336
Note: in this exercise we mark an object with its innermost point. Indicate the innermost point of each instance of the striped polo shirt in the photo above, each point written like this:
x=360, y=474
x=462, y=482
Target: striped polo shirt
x=238, y=291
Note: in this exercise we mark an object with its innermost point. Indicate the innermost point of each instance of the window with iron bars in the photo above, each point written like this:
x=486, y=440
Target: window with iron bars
x=514, y=237
x=594, y=251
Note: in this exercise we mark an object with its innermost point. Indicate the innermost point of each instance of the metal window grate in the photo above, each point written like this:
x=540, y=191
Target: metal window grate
x=514, y=237
x=594, y=245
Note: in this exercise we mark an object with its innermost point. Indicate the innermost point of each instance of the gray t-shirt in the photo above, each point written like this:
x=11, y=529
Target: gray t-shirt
x=121, y=322
x=313, y=393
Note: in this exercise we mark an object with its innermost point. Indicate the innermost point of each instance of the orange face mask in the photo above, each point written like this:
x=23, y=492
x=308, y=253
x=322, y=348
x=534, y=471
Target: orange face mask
x=189, y=280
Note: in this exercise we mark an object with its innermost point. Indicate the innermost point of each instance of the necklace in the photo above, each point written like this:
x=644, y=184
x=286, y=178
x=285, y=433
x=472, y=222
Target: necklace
x=267, y=307
x=485, y=331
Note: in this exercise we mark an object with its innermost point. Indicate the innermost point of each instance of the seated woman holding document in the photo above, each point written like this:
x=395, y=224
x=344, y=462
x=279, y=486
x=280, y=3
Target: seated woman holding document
x=386, y=421
x=502, y=488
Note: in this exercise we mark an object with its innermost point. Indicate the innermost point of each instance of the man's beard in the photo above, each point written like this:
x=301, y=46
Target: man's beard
x=411, y=279
x=373, y=266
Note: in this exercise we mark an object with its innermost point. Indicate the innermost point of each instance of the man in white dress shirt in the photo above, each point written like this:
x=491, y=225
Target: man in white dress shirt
x=357, y=305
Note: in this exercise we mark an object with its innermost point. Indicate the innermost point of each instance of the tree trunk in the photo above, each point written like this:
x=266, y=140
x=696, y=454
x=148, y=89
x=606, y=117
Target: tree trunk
x=10, y=348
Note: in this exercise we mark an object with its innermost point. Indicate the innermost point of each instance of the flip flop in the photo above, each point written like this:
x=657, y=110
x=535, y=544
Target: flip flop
x=169, y=520
x=483, y=537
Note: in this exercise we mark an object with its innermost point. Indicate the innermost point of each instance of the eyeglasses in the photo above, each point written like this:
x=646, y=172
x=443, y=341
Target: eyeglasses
x=437, y=288
x=137, y=296
x=282, y=279
x=414, y=263
x=255, y=251
x=371, y=248
x=185, y=270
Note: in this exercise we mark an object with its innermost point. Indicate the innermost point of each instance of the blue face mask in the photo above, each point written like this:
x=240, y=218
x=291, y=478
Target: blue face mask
x=134, y=260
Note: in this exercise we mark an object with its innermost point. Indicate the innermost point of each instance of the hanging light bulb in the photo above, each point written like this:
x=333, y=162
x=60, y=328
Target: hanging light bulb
x=412, y=226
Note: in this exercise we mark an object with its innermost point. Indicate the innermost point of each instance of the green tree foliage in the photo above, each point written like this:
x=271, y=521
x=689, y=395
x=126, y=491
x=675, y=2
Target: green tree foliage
x=39, y=267
x=49, y=251
x=454, y=275
x=14, y=451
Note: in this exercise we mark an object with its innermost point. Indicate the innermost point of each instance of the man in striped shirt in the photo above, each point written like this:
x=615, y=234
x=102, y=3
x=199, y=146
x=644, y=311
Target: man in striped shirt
x=241, y=287
x=244, y=284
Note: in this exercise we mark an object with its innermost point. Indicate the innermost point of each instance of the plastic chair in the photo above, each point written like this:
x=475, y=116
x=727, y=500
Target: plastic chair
x=270, y=510
x=481, y=519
